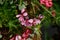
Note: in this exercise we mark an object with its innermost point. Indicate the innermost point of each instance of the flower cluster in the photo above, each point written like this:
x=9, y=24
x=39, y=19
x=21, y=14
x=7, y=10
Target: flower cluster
x=24, y=36
x=24, y=19
x=47, y=3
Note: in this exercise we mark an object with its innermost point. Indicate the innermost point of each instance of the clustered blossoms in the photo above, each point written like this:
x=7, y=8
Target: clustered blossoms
x=24, y=36
x=47, y=3
x=24, y=19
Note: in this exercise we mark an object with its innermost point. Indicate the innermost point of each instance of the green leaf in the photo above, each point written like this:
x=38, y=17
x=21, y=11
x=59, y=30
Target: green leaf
x=0, y=36
x=1, y=2
x=21, y=6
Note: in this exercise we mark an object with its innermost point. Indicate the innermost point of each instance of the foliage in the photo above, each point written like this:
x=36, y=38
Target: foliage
x=10, y=8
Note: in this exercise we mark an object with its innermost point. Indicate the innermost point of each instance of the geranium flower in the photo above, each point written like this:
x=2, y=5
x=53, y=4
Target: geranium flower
x=47, y=3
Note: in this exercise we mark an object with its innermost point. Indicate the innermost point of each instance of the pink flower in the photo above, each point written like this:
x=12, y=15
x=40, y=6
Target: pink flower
x=18, y=37
x=25, y=14
x=47, y=3
x=50, y=0
x=24, y=36
x=23, y=22
x=36, y=21
x=26, y=33
x=50, y=3
x=26, y=17
x=18, y=15
x=42, y=1
x=22, y=11
x=27, y=23
x=30, y=20
x=23, y=39
x=21, y=18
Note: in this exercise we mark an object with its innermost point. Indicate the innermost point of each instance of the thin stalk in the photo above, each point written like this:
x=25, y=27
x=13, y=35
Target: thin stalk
x=33, y=7
x=44, y=8
x=20, y=2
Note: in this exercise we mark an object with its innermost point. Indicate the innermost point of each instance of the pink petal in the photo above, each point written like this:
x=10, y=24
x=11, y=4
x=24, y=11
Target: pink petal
x=23, y=38
x=50, y=0
x=27, y=23
x=22, y=10
x=25, y=14
x=18, y=16
x=26, y=17
x=38, y=21
x=50, y=3
x=30, y=20
x=18, y=37
x=21, y=18
x=27, y=31
x=42, y=1
x=23, y=22
x=24, y=35
x=47, y=5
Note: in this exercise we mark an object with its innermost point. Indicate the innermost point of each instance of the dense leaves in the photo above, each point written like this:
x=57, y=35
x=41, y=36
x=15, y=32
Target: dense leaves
x=10, y=8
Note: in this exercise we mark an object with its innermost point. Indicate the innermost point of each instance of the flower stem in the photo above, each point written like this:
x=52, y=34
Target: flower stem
x=20, y=2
